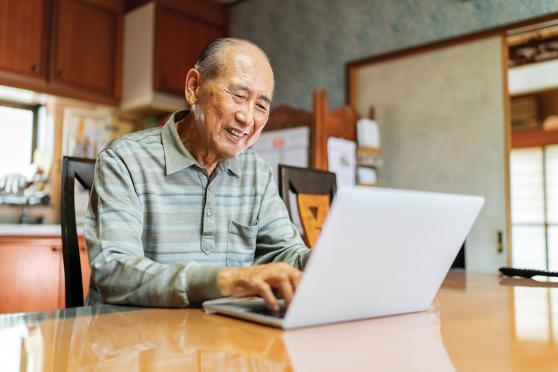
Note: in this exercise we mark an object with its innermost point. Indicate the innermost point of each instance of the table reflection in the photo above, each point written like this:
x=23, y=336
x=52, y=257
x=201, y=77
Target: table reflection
x=157, y=339
x=150, y=339
x=535, y=323
x=401, y=343
x=169, y=339
x=535, y=308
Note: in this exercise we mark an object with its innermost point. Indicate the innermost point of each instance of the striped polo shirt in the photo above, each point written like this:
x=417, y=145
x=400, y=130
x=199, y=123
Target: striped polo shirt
x=159, y=229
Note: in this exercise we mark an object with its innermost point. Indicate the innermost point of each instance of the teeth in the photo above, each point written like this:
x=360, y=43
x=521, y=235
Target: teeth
x=235, y=132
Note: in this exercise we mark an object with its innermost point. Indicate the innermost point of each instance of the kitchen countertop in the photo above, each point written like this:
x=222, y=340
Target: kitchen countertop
x=31, y=230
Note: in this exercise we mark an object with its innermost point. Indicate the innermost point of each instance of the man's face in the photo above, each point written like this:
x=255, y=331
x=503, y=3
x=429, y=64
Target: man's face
x=233, y=107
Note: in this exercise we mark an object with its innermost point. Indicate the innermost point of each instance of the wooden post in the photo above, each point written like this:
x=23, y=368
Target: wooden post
x=318, y=141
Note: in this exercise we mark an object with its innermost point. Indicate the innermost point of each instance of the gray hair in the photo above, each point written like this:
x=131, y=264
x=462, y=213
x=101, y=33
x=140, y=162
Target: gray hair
x=209, y=63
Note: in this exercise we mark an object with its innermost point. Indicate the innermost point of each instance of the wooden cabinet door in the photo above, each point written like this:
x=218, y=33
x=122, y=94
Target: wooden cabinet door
x=23, y=38
x=84, y=55
x=179, y=39
x=30, y=274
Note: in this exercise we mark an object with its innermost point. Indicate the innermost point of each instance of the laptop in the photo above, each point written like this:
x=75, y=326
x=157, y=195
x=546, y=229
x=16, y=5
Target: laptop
x=381, y=252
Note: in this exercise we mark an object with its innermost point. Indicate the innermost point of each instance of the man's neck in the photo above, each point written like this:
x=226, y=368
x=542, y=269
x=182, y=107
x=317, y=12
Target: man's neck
x=195, y=143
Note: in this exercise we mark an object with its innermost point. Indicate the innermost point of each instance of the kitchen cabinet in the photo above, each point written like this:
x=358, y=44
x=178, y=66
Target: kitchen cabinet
x=179, y=39
x=162, y=40
x=84, y=49
x=70, y=48
x=23, y=39
x=32, y=273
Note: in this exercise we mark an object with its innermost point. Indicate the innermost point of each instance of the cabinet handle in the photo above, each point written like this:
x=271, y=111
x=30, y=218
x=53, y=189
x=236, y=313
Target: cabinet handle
x=36, y=68
x=55, y=248
x=60, y=73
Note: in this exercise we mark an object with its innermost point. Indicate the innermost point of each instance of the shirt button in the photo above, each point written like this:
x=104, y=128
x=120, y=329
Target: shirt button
x=209, y=213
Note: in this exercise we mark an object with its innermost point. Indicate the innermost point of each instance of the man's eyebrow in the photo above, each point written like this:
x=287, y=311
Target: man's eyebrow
x=266, y=99
x=235, y=86
x=245, y=88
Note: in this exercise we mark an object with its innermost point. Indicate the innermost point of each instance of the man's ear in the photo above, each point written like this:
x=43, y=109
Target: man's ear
x=192, y=86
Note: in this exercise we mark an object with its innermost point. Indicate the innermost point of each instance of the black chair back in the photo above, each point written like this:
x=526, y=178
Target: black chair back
x=305, y=181
x=314, y=191
x=82, y=170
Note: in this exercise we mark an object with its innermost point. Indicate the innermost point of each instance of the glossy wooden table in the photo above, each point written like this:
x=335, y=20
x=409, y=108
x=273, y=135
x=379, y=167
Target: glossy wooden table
x=477, y=323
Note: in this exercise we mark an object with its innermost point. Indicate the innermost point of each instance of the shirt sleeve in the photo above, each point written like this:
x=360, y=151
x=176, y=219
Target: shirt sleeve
x=121, y=274
x=278, y=238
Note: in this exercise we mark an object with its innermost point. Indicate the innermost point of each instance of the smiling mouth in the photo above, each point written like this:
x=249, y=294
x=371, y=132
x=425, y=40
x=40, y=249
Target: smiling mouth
x=235, y=133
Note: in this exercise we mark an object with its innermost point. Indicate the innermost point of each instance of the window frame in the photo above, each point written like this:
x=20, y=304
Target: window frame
x=34, y=108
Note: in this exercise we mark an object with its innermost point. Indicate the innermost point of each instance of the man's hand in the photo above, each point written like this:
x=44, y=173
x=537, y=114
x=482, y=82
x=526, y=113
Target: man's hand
x=260, y=280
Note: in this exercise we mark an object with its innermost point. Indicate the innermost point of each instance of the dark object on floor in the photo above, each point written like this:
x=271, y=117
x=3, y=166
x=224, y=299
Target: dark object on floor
x=526, y=273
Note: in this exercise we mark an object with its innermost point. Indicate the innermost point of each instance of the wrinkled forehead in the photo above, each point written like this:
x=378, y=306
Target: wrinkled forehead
x=246, y=65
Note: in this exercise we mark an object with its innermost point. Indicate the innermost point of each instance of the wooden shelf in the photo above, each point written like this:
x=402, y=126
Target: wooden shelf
x=534, y=138
x=368, y=157
x=368, y=151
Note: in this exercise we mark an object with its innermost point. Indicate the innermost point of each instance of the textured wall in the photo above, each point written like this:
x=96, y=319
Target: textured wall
x=442, y=118
x=309, y=41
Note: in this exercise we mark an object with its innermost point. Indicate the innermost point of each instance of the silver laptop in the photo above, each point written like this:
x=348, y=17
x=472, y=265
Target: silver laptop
x=381, y=252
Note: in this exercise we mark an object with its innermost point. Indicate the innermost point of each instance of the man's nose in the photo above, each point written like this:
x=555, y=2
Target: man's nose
x=246, y=115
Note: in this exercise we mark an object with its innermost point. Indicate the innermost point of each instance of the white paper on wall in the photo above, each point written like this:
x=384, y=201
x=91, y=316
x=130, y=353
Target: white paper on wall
x=341, y=158
x=285, y=146
x=368, y=133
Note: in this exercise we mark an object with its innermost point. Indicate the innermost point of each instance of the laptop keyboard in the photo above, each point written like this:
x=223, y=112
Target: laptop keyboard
x=265, y=311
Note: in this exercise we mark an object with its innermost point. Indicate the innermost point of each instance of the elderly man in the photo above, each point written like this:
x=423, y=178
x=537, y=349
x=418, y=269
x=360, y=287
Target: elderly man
x=188, y=212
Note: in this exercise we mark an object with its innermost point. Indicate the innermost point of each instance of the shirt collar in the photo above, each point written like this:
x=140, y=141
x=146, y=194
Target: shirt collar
x=177, y=156
x=233, y=165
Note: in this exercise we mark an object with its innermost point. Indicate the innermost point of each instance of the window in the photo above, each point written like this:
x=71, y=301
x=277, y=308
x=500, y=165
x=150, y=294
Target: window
x=18, y=137
x=534, y=206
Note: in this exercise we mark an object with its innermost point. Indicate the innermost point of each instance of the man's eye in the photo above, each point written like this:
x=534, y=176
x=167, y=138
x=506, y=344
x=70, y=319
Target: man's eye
x=262, y=108
x=239, y=96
